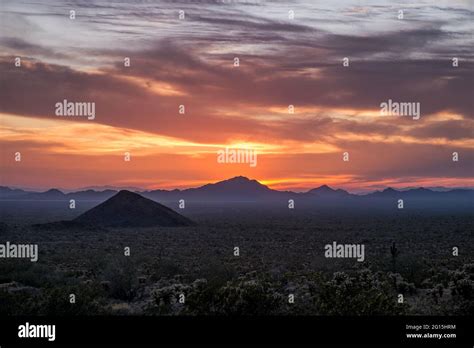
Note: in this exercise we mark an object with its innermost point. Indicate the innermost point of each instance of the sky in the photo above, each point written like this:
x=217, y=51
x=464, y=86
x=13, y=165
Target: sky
x=283, y=60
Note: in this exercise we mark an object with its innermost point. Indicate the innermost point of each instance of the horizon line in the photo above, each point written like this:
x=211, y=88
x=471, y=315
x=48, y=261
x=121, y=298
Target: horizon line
x=101, y=188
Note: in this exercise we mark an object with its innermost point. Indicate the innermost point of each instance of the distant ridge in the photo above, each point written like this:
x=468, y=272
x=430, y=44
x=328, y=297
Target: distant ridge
x=7, y=193
x=240, y=188
x=129, y=209
x=326, y=191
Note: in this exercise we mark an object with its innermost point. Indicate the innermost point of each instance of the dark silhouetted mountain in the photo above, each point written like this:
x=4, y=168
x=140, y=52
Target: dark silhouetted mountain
x=327, y=192
x=55, y=195
x=237, y=185
x=232, y=190
x=128, y=209
x=386, y=193
x=52, y=194
x=421, y=193
x=242, y=189
x=238, y=188
x=110, y=188
x=9, y=193
x=91, y=195
x=458, y=200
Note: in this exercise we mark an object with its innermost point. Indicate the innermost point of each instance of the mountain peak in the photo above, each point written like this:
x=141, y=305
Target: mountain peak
x=235, y=189
x=53, y=191
x=127, y=194
x=129, y=209
x=422, y=189
x=324, y=188
x=237, y=179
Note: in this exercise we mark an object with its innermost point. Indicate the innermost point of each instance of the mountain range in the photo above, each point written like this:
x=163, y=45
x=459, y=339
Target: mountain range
x=240, y=189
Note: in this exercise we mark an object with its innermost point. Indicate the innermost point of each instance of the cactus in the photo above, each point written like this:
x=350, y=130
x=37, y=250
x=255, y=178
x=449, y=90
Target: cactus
x=395, y=252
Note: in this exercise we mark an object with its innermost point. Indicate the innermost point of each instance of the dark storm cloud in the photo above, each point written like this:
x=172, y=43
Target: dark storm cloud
x=452, y=130
x=400, y=42
x=255, y=23
x=20, y=47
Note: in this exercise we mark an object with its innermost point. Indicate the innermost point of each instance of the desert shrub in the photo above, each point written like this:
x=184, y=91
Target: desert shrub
x=462, y=290
x=122, y=275
x=238, y=297
x=202, y=298
x=17, y=304
x=401, y=285
x=89, y=300
x=247, y=297
x=26, y=272
x=165, y=268
x=448, y=292
x=216, y=273
x=165, y=300
x=53, y=301
x=361, y=293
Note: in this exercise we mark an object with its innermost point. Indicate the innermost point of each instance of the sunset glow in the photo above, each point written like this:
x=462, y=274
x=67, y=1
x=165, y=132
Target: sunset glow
x=335, y=109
